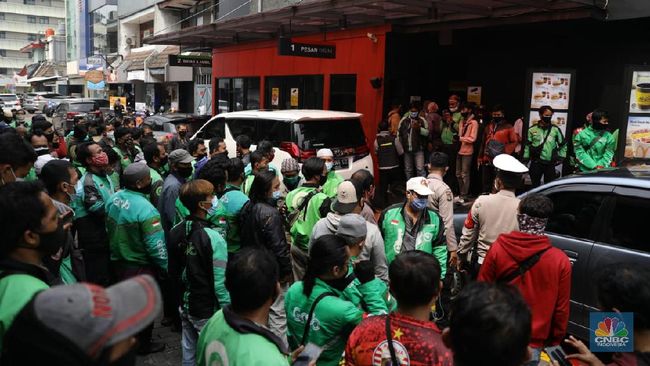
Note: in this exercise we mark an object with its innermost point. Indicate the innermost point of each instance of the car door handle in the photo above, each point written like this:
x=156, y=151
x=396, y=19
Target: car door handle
x=573, y=256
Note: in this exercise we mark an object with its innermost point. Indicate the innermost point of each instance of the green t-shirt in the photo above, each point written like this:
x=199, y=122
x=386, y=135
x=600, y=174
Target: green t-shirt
x=15, y=291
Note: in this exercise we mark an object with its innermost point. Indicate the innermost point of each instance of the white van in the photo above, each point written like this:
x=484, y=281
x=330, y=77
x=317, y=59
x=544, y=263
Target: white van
x=296, y=133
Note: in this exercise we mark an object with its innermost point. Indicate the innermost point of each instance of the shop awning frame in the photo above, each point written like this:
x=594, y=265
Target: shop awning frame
x=317, y=16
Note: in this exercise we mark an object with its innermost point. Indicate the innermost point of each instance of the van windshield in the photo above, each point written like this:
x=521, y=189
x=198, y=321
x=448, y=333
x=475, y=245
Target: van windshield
x=329, y=133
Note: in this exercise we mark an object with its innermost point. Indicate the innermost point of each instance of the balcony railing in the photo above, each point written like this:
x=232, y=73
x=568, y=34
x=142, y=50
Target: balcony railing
x=35, y=10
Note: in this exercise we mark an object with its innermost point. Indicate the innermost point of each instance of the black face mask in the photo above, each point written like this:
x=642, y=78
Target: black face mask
x=184, y=172
x=53, y=241
x=164, y=161
x=199, y=157
x=465, y=114
x=49, y=136
x=497, y=119
x=144, y=190
x=340, y=283
x=599, y=126
x=182, y=133
x=322, y=180
x=547, y=120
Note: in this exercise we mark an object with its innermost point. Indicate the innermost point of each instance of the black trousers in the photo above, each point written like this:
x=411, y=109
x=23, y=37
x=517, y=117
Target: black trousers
x=387, y=177
x=487, y=177
x=93, y=241
x=450, y=178
x=539, y=169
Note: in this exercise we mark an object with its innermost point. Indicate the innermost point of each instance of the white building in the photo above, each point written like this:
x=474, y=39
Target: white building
x=21, y=22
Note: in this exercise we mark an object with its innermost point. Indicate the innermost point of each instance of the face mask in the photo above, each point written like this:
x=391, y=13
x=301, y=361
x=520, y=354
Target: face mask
x=182, y=133
x=329, y=166
x=531, y=225
x=49, y=136
x=340, y=283
x=53, y=241
x=322, y=180
x=71, y=196
x=184, y=172
x=414, y=115
x=43, y=150
x=199, y=157
x=164, y=161
x=453, y=110
x=546, y=119
x=291, y=182
x=465, y=114
x=497, y=119
x=599, y=126
x=144, y=190
x=419, y=204
x=277, y=195
x=100, y=160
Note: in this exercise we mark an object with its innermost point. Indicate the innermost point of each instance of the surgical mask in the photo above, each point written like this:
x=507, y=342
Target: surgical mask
x=329, y=166
x=292, y=182
x=546, y=119
x=414, y=115
x=277, y=195
x=213, y=209
x=100, y=160
x=453, y=109
x=52, y=241
x=419, y=204
x=71, y=196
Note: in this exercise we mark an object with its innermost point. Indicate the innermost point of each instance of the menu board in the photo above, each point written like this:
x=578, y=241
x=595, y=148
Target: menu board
x=550, y=89
x=640, y=92
x=637, y=137
x=559, y=119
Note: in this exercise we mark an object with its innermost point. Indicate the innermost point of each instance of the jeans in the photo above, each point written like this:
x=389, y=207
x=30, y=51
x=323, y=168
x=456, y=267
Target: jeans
x=463, y=166
x=278, y=316
x=417, y=158
x=190, y=335
x=539, y=169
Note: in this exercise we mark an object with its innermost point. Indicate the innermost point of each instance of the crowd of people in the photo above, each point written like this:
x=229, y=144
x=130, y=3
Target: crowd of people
x=472, y=136
x=106, y=229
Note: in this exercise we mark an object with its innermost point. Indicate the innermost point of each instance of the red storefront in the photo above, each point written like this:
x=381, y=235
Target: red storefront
x=360, y=57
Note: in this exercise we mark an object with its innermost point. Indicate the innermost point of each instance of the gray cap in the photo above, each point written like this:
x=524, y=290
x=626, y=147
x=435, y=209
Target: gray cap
x=94, y=318
x=352, y=227
x=135, y=172
x=180, y=156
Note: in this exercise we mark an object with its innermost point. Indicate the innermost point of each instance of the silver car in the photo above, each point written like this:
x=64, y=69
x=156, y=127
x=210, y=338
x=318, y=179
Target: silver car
x=10, y=101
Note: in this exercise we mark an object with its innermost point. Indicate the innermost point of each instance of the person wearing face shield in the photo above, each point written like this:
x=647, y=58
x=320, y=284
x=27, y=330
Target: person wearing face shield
x=136, y=236
x=413, y=133
x=595, y=146
x=31, y=229
x=545, y=148
x=413, y=225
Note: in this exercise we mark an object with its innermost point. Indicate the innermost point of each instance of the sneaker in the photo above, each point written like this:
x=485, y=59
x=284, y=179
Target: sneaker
x=152, y=347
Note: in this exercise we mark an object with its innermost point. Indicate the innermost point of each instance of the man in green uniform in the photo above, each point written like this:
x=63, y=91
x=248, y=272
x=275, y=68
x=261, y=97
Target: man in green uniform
x=545, y=148
x=204, y=254
x=31, y=229
x=412, y=225
x=259, y=163
x=93, y=190
x=333, y=178
x=17, y=158
x=595, y=146
x=237, y=334
x=231, y=202
x=137, y=240
x=304, y=209
x=124, y=147
x=156, y=157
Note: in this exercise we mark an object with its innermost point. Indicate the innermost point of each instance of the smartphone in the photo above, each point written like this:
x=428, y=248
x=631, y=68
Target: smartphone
x=309, y=354
x=556, y=353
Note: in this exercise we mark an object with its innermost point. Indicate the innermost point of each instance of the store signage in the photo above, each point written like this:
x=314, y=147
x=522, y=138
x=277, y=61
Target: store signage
x=190, y=60
x=288, y=48
x=95, y=60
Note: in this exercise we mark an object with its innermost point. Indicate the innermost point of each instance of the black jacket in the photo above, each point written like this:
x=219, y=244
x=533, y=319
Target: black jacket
x=262, y=225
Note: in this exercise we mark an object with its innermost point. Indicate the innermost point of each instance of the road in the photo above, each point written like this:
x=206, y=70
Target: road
x=171, y=356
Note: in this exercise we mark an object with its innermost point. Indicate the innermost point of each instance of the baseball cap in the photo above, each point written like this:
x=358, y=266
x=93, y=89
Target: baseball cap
x=324, y=152
x=509, y=163
x=82, y=320
x=8, y=113
x=346, y=198
x=180, y=156
x=352, y=226
x=439, y=160
x=289, y=165
x=135, y=172
x=418, y=185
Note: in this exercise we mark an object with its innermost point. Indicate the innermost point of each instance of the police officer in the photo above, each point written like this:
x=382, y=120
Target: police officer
x=442, y=201
x=491, y=215
x=412, y=225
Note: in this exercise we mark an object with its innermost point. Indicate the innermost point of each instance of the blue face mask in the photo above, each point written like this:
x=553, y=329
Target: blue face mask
x=419, y=204
x=329, y=166
x=277, y=195
x=213, y=210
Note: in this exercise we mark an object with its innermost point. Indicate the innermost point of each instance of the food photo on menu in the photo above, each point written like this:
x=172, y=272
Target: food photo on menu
x=550, y=89
x=640, y=92
x=637, y=137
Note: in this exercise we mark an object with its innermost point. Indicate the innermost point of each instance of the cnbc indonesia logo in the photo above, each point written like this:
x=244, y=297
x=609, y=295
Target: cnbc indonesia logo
x=612, y=332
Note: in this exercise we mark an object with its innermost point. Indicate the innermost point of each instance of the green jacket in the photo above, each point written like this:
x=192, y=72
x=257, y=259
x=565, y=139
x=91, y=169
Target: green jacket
x=428, y=238
x=93, y=191
x=125, y=159
x=135, y=231
x=302, y=227
x=253, y=345
x=447, y=132
x=333, y=320
x=332, y=183
x=226, y=217
x=157, y=182
x=594, y=148
x=554, y=142
x=15, y=292
x=248, y=182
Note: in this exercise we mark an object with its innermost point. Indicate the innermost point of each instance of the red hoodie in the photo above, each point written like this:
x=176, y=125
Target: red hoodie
x=546, y=287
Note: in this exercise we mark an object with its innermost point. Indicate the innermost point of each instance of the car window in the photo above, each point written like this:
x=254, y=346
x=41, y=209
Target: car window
x=8, y=97
x=243, y=127
x=574, y=213
x=328, y=133
x=215, y=128
x=82, y=107
x=273, y=131
x=627, y=223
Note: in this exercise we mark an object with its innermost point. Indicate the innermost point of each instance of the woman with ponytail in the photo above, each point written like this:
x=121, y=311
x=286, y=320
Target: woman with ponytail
x=317, y=300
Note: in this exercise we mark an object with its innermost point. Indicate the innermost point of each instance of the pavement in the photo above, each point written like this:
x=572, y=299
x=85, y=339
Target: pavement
x=172, y=354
